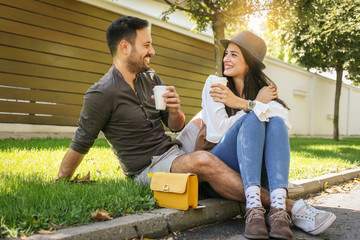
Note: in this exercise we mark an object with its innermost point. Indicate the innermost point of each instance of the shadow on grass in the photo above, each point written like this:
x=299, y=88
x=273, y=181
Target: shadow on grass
x=43, y=143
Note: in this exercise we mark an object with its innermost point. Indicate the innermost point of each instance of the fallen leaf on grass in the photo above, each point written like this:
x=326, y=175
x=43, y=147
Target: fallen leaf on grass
x=42, y=231
x=51, y=224
x=102, y=215
x=82, y=180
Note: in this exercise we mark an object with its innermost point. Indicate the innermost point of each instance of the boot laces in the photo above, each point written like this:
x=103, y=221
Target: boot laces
x=281, y=215
x=254, y=213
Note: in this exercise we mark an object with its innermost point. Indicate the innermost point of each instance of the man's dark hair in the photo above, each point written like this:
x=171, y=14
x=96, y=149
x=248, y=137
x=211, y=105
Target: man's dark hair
x=123, y=29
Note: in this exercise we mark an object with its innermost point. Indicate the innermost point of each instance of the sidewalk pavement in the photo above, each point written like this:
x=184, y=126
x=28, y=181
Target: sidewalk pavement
x=161, y=222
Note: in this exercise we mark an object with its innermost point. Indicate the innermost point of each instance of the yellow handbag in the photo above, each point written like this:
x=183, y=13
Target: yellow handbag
x=175, y=190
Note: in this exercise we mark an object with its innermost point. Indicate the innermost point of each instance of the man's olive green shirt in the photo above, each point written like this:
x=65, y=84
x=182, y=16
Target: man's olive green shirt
x=128, y=119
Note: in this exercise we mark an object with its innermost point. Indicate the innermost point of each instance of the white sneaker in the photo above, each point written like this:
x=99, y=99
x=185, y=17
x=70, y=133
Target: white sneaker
x=310, y=219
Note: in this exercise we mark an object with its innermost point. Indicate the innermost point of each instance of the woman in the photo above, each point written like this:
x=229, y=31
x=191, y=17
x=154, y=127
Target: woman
x=249, y=125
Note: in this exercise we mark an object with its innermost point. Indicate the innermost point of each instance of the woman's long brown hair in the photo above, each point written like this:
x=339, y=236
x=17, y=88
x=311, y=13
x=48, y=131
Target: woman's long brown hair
x=255, y=79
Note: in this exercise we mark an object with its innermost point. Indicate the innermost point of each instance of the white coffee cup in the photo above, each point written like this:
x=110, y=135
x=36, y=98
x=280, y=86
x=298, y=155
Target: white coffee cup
x=215, y=79
x=159, y=90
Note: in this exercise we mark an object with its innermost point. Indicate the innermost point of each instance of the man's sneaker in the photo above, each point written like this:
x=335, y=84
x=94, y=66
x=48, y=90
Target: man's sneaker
x=310, y=219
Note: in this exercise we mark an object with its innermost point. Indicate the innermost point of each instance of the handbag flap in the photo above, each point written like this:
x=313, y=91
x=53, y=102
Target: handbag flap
x=169, y=182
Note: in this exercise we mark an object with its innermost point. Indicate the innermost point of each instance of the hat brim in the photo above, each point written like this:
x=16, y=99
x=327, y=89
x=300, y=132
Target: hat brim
x=225, y=42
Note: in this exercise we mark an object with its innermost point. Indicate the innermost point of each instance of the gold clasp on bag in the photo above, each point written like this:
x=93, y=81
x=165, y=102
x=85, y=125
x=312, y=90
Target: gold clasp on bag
x=166, y=188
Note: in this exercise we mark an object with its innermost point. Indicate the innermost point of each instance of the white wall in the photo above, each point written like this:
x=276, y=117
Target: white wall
x=353, y=124
x=311, y=99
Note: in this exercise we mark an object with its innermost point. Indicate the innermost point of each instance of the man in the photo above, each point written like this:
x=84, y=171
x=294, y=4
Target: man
x=122, y=107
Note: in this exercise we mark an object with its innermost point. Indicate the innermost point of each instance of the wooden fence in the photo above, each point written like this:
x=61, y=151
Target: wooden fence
x=51, y=52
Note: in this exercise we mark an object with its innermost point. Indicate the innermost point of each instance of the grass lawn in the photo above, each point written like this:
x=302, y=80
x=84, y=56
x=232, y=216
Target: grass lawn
x=30, y=200
x=312, y=157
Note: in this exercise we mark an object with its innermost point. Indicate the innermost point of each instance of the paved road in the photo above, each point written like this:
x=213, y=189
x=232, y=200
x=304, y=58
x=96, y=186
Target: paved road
x=346, y=206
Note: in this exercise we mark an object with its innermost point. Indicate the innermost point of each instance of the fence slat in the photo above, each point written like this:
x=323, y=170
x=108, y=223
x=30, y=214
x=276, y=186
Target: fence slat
x=35, y=108
x=50, y=9
x=181, y=56
x=51, y=35
x=15, y=80
x=31, y=119
x=35, y=70
x=39, y=95
x=39, y=58
x=58, y=49
x=182, y=47
x=174, y=36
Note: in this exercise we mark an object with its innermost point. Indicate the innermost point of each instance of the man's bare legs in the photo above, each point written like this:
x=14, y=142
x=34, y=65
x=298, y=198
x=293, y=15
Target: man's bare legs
x=222, y=179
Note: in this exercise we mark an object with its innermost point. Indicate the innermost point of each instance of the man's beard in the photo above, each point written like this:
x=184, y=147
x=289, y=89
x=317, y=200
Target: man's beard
x=137, y=65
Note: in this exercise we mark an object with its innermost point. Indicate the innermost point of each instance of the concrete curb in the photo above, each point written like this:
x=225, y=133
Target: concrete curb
x=162, y=222
x=317, y=184
x=157, y=223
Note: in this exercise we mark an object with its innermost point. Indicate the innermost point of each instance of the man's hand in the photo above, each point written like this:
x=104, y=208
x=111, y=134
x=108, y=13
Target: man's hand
x=266, y=94
x=70, y=162
x=176, y=116
x=172, y=99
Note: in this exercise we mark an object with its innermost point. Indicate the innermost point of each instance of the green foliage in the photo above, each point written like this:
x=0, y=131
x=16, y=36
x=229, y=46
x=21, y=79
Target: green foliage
x=209, y=12
x=218, y=14
x=276, y=49
x=323, y=34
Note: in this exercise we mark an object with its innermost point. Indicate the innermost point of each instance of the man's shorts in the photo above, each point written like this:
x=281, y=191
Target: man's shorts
x=162, y=163
x=188, y=137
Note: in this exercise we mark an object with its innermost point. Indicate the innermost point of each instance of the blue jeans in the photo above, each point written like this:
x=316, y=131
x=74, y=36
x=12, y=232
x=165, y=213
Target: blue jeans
x=249, y=145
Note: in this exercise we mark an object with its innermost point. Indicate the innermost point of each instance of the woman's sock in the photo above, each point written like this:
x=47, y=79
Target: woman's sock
x=252, y=195
x=277, y=198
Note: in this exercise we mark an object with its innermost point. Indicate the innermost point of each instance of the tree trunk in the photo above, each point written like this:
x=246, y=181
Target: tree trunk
x=339, y=74
x=218, y=27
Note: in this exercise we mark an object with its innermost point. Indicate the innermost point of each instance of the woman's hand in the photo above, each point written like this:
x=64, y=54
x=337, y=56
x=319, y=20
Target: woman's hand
x=266, y=94
x=223, y=94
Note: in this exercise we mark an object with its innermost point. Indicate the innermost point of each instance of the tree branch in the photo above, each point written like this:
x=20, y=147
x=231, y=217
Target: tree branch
x=210, y=4
x=198, y=13
x=205, y=10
